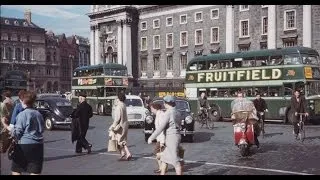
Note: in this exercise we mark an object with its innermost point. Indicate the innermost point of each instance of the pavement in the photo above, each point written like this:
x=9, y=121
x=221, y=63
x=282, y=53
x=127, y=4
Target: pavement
x=212, y=153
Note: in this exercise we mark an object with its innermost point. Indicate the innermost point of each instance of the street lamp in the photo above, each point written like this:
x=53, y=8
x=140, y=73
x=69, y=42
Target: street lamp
x=103, y=38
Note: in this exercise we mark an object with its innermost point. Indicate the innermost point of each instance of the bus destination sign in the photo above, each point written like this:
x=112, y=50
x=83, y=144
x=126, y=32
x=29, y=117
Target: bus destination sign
x=238, y=75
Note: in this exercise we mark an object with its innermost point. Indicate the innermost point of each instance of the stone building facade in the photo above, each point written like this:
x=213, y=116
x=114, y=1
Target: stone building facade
x=69, y=54
x=23, y=47
x=169, y=36
x=84, y=51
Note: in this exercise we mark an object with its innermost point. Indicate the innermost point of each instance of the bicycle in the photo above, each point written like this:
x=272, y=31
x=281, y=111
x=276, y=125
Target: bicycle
x=203, y=119
x=261, y=122
x=302, y=132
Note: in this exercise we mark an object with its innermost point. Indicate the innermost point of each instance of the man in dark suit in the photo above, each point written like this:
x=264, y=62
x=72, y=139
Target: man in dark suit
x=261, y=106
x=83, y=113
x=298, y=105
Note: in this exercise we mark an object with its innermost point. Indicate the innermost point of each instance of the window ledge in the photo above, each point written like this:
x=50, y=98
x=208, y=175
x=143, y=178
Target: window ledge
x=244, y=37
x=216, y=42
x=292, y=29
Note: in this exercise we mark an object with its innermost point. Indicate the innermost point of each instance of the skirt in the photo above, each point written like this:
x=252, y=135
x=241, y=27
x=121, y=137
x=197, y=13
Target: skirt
x=170, y=153
x=28, y=158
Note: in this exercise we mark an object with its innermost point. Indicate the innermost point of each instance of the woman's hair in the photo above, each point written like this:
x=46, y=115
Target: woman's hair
x=7, y=94
x=29, y=98
x=156, y=106
x=21, y=94
x=122, y=96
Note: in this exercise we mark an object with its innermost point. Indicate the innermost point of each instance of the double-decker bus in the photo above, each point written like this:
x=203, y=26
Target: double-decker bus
x=100, y=83
x=274, y=73
x=14, y=81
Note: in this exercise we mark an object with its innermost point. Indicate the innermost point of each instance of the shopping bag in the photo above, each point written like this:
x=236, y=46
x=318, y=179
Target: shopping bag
x=112, y=146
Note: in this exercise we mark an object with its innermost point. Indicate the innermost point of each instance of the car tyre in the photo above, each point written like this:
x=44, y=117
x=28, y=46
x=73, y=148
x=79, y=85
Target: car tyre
x=48, y=124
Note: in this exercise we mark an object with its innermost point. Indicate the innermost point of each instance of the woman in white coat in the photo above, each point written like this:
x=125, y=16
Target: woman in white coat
x=160, y=145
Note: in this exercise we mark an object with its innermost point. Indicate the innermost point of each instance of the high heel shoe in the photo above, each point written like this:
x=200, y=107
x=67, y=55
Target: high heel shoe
x=129, y=157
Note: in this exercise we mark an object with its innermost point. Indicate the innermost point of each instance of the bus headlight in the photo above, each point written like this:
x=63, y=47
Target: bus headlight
x=311, y=106
x=188, y=119
x=149, y=119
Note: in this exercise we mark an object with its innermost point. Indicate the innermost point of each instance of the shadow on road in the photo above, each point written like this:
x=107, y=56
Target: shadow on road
x=189, y=166
x=200, y=137
x=218, y=172
x=54, y=141
x=269, y=135
x=312, y=138
x=62, y=157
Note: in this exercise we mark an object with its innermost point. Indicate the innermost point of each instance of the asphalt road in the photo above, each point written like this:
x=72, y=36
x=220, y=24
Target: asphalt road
x=212, y=153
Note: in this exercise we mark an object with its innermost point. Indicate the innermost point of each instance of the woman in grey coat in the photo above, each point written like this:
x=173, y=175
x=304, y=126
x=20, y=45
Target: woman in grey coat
x=170, y=124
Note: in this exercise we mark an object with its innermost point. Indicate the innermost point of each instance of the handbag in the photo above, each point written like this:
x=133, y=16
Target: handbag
x=12, y=148
x=4, y=141
x=117, y=128
x=112, y=146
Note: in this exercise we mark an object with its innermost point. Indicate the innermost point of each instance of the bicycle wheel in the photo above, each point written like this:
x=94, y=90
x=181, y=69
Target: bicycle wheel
x=302, y=132
x=210, y=123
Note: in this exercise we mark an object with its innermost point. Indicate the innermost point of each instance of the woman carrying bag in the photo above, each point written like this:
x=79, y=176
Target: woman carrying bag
x=120, y=127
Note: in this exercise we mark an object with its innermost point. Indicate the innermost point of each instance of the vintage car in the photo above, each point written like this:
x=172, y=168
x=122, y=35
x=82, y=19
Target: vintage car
x=56, y=111
x=135, y=110
x=187, y=120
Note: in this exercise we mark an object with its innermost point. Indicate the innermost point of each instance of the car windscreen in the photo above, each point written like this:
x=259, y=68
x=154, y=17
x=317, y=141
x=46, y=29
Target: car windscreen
x=133, y=102
x=63, y=103
x=180, y=105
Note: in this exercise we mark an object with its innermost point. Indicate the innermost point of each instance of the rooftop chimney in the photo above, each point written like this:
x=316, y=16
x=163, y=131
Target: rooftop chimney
x=27, y=16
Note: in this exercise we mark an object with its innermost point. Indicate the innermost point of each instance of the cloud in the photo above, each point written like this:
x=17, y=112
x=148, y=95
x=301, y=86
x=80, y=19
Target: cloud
x=54, y=11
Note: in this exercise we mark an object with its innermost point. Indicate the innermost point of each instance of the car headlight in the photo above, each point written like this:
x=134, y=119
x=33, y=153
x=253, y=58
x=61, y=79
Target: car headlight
x=188, y=119
x=149, y=119
x=243, y=127
x=148, y=112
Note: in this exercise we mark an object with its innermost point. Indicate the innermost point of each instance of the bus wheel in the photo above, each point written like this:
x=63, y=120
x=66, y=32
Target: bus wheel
x=100, y=110
x=215, y=113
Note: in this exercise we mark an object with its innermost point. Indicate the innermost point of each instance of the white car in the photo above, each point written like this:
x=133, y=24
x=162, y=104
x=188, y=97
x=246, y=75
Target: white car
x=135, y=110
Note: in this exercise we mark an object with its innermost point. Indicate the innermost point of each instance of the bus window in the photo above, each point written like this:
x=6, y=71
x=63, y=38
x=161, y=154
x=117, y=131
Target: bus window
x=193, y=66
x=213, y=92
x=312, y=88
x=263, y=91
x=213, y=65
x=292, y=59
x=223, y=92
x=274, y=91
x=310, y=60
x=261, y=60
x=247, y=62
x=236, y=64
x=201, y=91
x=288, y=89
x=275, y=60
x=202, y=65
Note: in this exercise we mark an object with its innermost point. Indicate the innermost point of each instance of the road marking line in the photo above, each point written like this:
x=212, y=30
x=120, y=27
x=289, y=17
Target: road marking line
x=207, y=163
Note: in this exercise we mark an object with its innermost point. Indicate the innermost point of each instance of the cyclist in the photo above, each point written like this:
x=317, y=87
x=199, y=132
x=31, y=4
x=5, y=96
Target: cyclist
x=261, y=106
x=298, y=105
x=203, y=105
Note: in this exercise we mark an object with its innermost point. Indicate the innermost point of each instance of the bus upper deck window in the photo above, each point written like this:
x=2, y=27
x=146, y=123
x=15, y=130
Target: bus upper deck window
x=310, y=60
x=292, y=59
x=193, y=67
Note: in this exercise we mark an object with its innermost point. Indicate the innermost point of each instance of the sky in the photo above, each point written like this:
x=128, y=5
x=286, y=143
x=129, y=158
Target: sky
x=68, y=19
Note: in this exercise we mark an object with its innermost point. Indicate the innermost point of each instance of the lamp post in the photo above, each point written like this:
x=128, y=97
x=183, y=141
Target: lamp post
x=103, y=38
x=71, y=58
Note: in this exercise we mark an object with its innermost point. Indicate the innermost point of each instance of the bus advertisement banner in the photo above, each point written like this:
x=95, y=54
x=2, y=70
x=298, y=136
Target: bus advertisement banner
x=100, y=81
x=268, y=74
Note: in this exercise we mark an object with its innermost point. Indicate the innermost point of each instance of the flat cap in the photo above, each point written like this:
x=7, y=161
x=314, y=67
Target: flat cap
x=83, y=95
x=169, y=98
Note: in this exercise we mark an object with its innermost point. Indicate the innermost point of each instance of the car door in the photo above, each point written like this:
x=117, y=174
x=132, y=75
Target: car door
x=42, y=107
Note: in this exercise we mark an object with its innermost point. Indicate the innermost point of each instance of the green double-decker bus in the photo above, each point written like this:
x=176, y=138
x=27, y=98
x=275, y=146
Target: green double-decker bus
x=274, y=73
x=100, y=83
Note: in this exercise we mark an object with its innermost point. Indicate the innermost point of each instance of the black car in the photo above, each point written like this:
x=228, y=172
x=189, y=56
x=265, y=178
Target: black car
x=56, y=111
x=187, y=120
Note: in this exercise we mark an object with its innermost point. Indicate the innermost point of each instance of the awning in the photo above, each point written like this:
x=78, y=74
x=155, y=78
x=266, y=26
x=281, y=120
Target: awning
x=244, y=43
x=183, y=53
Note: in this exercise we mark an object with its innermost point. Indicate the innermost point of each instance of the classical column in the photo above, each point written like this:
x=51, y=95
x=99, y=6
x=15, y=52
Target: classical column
x=14, y=52
x=4, y=51
x=92, y=45
x=119, y=43
x=23, y=53
x=92, y=8
x=32, y=54
x=307, y=30
x=272, y=25
x=127, y=52
x=229, y=29
x=97, y=46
